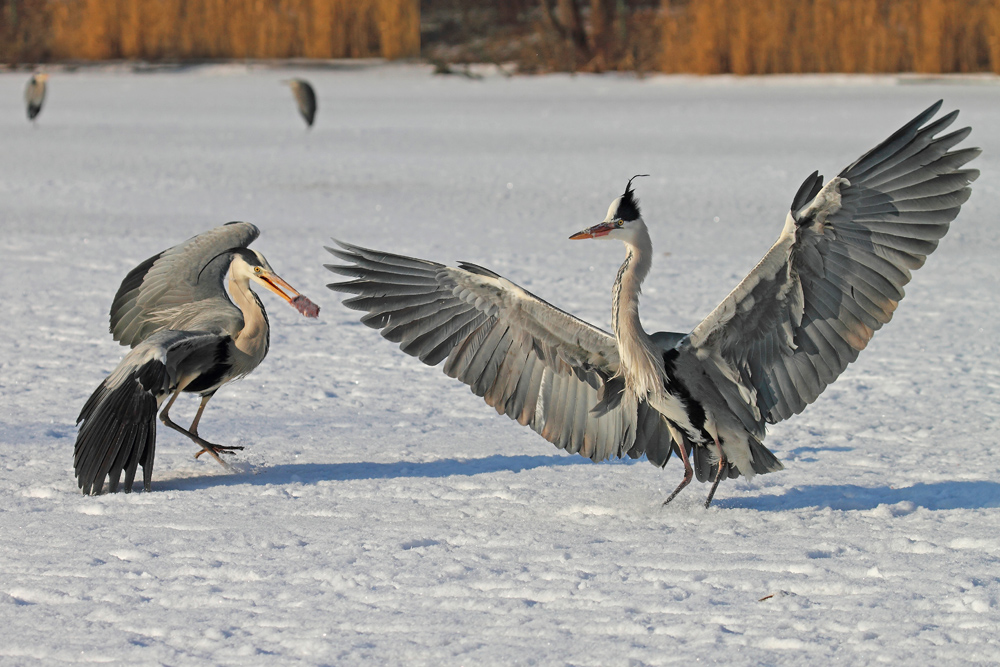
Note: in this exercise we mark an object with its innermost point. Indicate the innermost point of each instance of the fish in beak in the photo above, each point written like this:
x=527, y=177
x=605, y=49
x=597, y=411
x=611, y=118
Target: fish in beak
x=277, y=284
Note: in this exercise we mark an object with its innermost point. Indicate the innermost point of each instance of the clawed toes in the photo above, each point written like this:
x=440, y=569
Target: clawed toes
x=218, y=449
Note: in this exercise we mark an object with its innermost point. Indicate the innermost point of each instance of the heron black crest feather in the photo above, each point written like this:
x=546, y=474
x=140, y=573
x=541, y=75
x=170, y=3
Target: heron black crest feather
x=628, y=206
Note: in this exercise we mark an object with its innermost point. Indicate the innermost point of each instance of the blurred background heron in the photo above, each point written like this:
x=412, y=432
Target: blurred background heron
x=34, y=95
x=305, y=98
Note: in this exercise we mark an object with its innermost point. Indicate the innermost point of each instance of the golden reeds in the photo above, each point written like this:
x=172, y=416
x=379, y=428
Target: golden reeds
x=195, y=29
x=795, y=36
x=695, y=36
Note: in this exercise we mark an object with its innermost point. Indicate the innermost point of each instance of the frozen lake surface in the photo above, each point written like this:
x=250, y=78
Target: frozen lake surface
x=382, y=514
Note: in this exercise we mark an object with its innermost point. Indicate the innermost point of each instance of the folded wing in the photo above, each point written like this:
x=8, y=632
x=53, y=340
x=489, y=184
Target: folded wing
x=157, y=293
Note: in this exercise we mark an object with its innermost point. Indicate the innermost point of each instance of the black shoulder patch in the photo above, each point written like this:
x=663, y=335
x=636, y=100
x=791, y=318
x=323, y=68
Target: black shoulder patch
x=807, y=191
x=479, y=270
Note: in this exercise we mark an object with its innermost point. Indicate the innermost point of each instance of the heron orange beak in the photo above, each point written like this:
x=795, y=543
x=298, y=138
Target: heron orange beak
x=597, y=231
x=278, y=285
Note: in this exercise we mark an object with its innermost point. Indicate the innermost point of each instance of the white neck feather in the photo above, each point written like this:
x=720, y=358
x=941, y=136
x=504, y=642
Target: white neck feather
x=641, y=360
x=253, y=338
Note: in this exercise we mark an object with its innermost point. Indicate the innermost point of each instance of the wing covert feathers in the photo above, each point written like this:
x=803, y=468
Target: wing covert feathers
x=161, y=292
x=837, y=272
x=529, y=360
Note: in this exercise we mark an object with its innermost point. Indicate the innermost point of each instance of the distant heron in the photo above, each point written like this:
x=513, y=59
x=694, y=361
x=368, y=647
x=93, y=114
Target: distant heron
x=34, y=94
x=789, y=329
x=186, y=335
x=305, y=98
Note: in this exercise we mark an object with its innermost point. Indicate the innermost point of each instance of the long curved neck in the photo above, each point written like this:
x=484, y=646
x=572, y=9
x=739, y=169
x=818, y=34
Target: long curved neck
x=255, y=336
x=640, y=363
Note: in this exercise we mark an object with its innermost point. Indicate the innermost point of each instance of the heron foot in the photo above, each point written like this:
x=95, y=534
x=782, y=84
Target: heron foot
x=214, y=451
x=218, y=449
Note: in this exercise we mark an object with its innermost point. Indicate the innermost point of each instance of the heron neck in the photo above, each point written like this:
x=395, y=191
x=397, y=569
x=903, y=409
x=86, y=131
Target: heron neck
x=639, y=359
x=254, y=338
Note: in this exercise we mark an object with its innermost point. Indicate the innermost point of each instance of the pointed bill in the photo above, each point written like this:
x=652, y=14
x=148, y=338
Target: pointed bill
x=594, y=232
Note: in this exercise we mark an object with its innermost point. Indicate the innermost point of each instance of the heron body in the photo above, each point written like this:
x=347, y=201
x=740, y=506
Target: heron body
x=186, y=335
x=788, y=330
x=305, y=99
x=34, y=95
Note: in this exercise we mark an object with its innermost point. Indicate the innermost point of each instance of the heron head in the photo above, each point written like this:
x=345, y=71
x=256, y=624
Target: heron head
x=623, y=222
x=41, y=77
x=250, y=265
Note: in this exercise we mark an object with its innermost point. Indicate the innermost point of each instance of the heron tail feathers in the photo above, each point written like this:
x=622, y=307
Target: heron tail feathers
x=761, y=459
x=118, y=427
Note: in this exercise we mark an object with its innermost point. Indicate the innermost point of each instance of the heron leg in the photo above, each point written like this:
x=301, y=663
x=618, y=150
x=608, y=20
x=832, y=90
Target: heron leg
x=201, y=408
x=688, y=471
x=206, y=446
x=718, y=474
x=218, y=449
x=194, y=429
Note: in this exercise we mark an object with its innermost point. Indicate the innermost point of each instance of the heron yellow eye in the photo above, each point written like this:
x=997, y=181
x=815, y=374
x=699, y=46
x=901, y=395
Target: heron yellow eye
x=257, y=269
x=619, y=223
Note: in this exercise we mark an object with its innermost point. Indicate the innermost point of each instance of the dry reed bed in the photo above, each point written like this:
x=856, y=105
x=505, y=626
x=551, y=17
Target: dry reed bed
x=694, y=36
x=795, y=36
x=187, y=29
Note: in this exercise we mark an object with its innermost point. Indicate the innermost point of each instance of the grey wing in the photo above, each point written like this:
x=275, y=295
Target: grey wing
x=837, y=272
x=166, y=289
x=528, y=359
x=118, y=425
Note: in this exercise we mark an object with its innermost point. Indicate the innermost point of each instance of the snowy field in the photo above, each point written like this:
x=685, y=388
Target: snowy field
x=381, y=513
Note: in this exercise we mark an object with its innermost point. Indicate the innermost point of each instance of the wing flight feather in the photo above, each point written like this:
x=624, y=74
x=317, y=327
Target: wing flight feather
x=529, y=360
x=837, y=272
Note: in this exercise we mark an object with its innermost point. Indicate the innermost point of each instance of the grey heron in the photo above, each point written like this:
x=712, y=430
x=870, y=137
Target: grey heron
x=789, y=329
x=186, y=335
x=305, y=98
x=34, y=95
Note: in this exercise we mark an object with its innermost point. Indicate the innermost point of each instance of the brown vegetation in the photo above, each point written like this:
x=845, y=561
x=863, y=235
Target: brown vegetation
x=777, y=36
x=735, y=36
x=694, y=36
x=39, y=30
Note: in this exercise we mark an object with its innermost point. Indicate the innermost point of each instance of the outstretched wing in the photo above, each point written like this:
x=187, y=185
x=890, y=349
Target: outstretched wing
x=528, y=359
x=154, y=294
x=837, y=272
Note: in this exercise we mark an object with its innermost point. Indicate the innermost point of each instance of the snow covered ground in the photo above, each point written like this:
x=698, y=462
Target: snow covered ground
x=383, y=514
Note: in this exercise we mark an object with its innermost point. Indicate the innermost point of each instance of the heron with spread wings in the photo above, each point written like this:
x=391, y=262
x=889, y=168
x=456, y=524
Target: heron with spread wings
x=186, y=335
x=789, y=329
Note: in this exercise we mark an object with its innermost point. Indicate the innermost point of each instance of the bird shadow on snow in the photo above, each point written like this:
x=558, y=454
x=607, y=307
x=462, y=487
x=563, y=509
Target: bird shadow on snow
x=312, y=473
x=936, y=496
